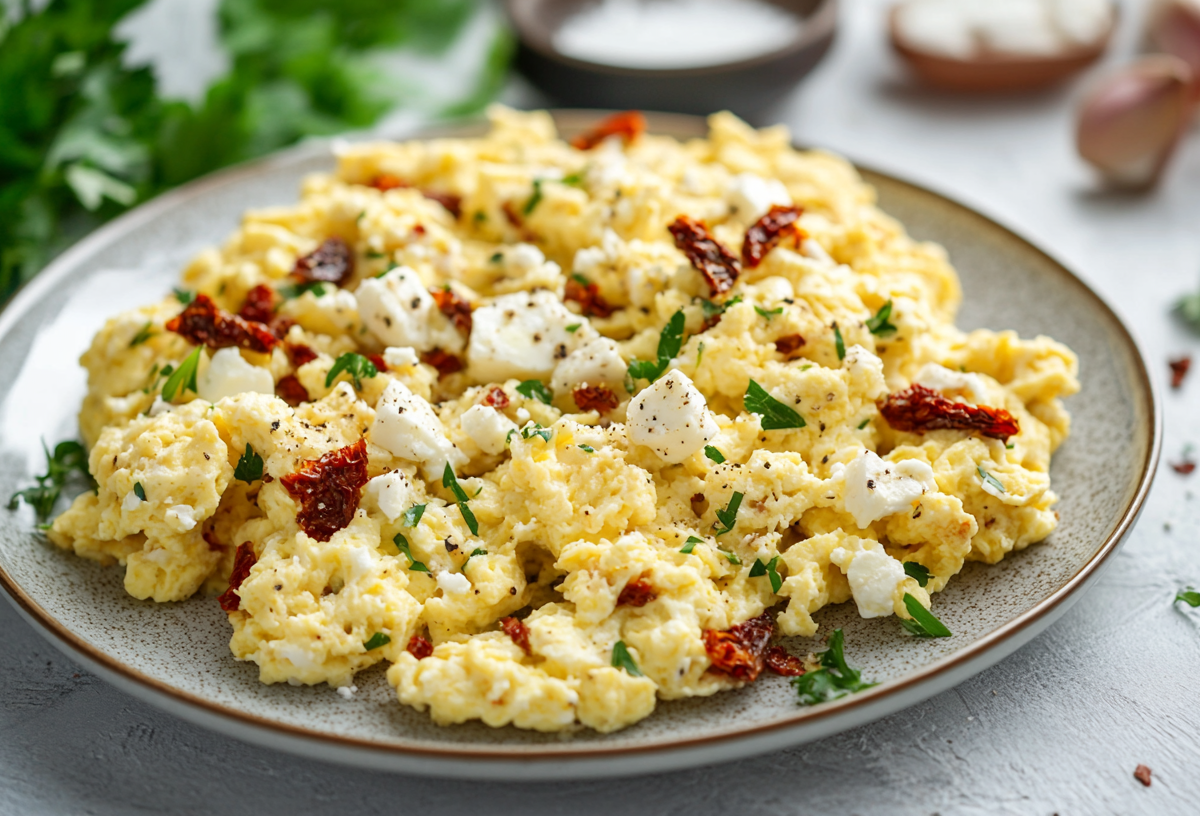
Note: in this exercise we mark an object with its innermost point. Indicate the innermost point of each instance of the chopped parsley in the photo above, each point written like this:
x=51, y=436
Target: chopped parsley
x=714, y=454
x=497, y=257
x=580, y=279
x=536, y=389
x=1188, y=596
x=879, y=325
x=183, y=296
x=621, y=659
x=574, y=327
x=775, y=415
x=574, y=179
x=402, y=545
x=769, y=569
x=249, y=467
x=294, y=290
x=534, y=199
x=182, y=378
x=838, y=342
x=918, y=572
x=530, y=431
x=923, y=623
x=587, y=449
x=728, y=516
x=378, y=639
x=412, y=516
x=834, y=679
x=699, y=353
x=480, y=216
x=451, y=481
x=139, y=491
x=864, y=423
x=143, y=334
x=474, y=552
x=69, y=458
x=691, y=544
x=730, y=557
x=990, y=480
x=355, y=365
x=711, y=309
x=670, y=341
x=768, y=313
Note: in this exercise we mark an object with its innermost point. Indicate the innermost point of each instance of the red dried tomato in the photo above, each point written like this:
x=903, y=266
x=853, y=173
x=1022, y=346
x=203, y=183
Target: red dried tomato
x=779, y=661
x=919, y=409
x=588, y=296
x=445, y=362
x=243, y=560
x=331, y=262
x=386, y=181
x=712, y=260
x=517, y=631
x=1142, y=774
x=378, y=361
x=636, y=593
x=419, y=647
x=260, y=305
x=628, y=125
x=738, y=651
x=451, y=201
x=300, y=354
x=210, y=538
x=328, y=489
x=453, y=306
x=789, y=345
x=202, y=322
x=290, y=390
x=1184, y=468
x=1179, y=370
x=497, y=398
x=767, y=232
x=596, y=398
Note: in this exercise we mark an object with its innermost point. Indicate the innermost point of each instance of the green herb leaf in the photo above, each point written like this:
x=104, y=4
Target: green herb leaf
x=768, y=313
x=864, y=423
x=412, y=516
x=290, y=291
x=402, y=545
x=769, y=569
x=139, y=491
x=479, y=217
x=838, y=342
x=536, y=389
x=714, y=454
x=574, y=327
x=775, y=415
x=691, y=544
x=587, y=449
x=356, y=365
x=923, y=624
x=534, y=199
x=834, y=679
x=670, y=341
x=621, y=659
x=699, y=353
x=574, y=179
x=249, y=467
x=184, y=296
x=728, y=516
x=497, y=257
x=1188, y=596
x=449, y=480
x=730, y=557
x=474, y=552
x=879, y=325
x=378, y=639
x=530, y=431
x=68, y=459
x=183, y=378
x=143, y=334
x=990, y=480
x=918, y=572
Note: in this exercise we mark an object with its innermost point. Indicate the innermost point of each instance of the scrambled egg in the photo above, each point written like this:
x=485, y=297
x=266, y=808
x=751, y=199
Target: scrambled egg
x=567, y=505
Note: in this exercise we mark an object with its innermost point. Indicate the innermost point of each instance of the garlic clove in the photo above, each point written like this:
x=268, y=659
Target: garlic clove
x=1174, y=28
x=1131, y=120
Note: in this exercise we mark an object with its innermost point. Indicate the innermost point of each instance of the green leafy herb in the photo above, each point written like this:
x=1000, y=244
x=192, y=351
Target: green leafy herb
x=536, y=389
x=530, y=431
x=249, y=467
x=1010, y=446
x=769, y=569
x=834, y=679
x=356, y=365
x=923, y=624
x=183, y=378
x=918, y=572
x=534, y=199
x=69, y=459
x=143, y=334
x=450, y=481
x=587, y=449
x=768, y=313
x=402, y=545
x=775, y=415
x=474, y=552
x=378, y=639
x=990, y=480
x=412, y=516
x=479, y=217
x=582, y=280
x=574, y=327
x=838, y=342
x=497, y=257
x=670, y=341
x=1188, y=596
x=730, y=557
x=879, y=325
x=728, y=516
x=184, y=296
x=290, y=291
x=574, y=179
x=139, y=491
x=714, y=454
x=691, y=544
x=864, y=423
x=699, y=353
x=621, y=659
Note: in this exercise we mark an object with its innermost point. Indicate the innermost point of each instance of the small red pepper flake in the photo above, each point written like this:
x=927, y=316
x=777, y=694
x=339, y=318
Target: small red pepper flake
x=591, y=302
x=291, y=390
x=378, y=361
x=202, y=322
x=445, y=362
x=243, y=560
x=712, y=260
x=598, y=398
x=1179, y=370
x=739, y=651
x=387, y=181
x=299, y=354
x=260, y=305
x=637, y=592
x=331, y=262
x=779, y=661
x=453, y=306
x=497, y=398
x=517, y=631
x=628, y=125
x=789, y=345
x=767, y=232
x=419, y=647
x=919, y=409
x=328, y=490
x=1142, y=774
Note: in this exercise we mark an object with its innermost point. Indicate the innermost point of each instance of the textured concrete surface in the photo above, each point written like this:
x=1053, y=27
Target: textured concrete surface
x=1056, y=728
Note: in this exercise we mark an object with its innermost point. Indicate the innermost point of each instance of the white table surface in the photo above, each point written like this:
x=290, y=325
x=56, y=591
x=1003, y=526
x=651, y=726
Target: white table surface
x=1057, y=727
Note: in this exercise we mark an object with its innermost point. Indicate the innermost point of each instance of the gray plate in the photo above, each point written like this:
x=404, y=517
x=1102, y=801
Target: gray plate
x=176, y=655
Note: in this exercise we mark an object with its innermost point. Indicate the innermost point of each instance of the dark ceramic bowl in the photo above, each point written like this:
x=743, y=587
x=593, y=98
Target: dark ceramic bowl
x=747, y=87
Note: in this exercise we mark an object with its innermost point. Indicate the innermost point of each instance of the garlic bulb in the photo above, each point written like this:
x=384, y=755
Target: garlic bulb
x=1130, y=122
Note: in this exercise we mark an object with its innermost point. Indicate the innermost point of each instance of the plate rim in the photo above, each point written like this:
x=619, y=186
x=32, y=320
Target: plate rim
x=873, y=701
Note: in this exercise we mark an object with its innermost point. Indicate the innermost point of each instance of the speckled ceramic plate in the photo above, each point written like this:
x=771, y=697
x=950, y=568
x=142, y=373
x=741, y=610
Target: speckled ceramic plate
x=176, y=655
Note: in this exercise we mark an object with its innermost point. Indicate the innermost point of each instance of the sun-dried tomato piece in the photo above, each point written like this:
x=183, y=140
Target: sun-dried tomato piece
x=387, y=181
x=451, y=201
x=378, y=361
x=1179, y=370
x=1142, y=774
x=243, y=560
x=202, y=322
x=454, y=306
x=260, y=305
x=637, y=593
x=331, y=262
x=1184, y=468
x=739, y=651
x=789, y=345
x=291, y=390
x=419, y=647
x=497, y=398
x=598, y=398
x=299, y=354
x=919, y=409
x=210, y=538
x=712, y=260
x=628, y=125
x=328, y=489
x=445, y=362
x=767, y=232
x=779, y=661
x=517, y=631
x=588, y=296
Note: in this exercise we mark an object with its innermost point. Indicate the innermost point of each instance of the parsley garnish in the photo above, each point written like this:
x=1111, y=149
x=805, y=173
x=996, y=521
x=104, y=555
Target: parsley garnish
x=879, y=325
x=714, y=454
x=768, y=313
x=534, y=199
x=402, y=545
x=775, y=415
x=864, y=423
x=728, y=516
x=923, y=624
x=918, y=572
x=412, y=516
x=474, y=552
x=536, y=389
x=184, y=296
x=250, y=467
x=139, y=491
x=1188, y=596
x=691, y=544
x=768, y=569
x=621, y=659
x=497, y=257
x=989, y=479
x=479, y=217
x=357, y=366
x=451, y=481
x=730, y=557
x=182, y=378
x=68, y=458
x=580, y=279
x=378, y=639
x=574, y=179
x=574, y=327
x=834, y=679
x=838, y=342
x=699, y=353
x=711, y=309
x=670, y=341
x=587, y=449
x=533, y=430
x=144, y=334
x=294, y=290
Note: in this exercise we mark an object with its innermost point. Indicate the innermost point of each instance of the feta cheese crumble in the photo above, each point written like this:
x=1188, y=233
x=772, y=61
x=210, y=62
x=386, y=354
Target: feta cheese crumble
x=183, y=515
x=750, y=196
x=874, y=578
x=393, y=493
x=406, y=425
x=453, y=583
x=487, y=428
x=876, y=488
x=522, y=336
x=398, y=309
x=671, y=418
x=228, y=375
x=598, y=362
x=956, y=385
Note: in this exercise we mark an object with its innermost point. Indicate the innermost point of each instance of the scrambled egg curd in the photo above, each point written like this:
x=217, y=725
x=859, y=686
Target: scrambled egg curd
x=549, y=427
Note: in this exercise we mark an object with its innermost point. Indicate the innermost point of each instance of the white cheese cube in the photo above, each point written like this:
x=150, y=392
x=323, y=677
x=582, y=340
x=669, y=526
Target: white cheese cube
x=598, y=362
x=875, y=488
x=487, y=427
x=956, y=385
x=228, y=375
x=523, y=257
x=399, y=310
x=453, y=583
x=671, y=418
x=406, y=425
x=182, y=517
x=874, y=578
x=400, y=356
x=866, y=372
x=392, y=492
x=522, y=336
x=750, y=196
